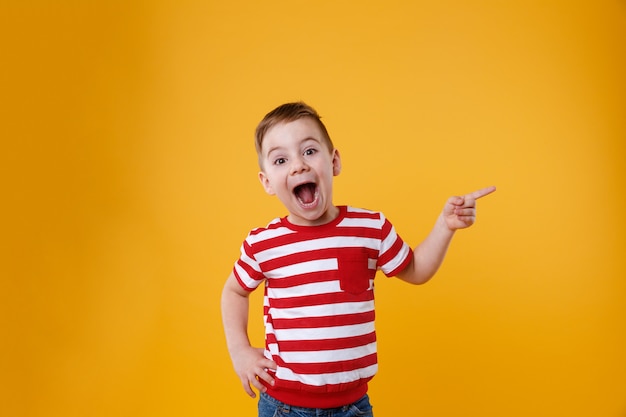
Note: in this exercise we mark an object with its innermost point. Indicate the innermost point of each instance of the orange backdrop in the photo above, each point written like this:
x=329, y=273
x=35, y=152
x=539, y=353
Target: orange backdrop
x=129, y=182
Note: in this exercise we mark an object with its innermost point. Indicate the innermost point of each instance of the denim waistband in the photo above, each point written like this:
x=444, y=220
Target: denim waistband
x=286, y=408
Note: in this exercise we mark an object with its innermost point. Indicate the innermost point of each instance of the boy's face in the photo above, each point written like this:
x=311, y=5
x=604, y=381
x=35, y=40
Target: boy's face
x=298, y=168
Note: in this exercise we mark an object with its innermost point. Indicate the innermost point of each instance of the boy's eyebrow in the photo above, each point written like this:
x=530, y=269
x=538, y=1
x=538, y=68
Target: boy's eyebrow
x=274, y=148
x=277, y=148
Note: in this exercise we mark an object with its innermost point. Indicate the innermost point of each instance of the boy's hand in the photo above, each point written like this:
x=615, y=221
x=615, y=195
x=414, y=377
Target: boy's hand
x=250, y=365
x=460, y=212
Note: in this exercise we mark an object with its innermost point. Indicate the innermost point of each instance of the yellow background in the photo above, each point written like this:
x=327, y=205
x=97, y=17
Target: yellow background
x=129, y=181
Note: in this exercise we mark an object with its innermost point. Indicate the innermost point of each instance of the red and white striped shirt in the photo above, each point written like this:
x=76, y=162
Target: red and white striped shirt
x=319, y=301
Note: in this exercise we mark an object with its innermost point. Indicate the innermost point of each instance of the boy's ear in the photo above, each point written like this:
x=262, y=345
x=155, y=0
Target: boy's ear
x=265, y=182
x=336, y=162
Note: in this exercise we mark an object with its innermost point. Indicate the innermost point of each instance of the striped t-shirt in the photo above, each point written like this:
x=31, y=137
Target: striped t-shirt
x=319, y=301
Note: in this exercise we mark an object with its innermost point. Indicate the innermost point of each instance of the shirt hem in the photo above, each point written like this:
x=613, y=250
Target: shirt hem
x=322, y=400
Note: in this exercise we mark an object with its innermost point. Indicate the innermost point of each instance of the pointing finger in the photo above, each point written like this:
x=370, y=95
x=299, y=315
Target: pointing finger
x=481, y=193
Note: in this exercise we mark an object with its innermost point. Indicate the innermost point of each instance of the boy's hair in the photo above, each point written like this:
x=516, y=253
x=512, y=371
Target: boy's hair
x=288, y=113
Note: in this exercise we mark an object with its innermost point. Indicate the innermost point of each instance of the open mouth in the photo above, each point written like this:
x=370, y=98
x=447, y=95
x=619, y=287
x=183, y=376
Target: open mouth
x=306, y=193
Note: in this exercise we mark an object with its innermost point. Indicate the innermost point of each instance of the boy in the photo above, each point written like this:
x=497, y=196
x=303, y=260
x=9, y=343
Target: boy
x=318, y=265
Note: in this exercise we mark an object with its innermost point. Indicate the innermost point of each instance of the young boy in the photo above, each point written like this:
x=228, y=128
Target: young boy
x=318, y=265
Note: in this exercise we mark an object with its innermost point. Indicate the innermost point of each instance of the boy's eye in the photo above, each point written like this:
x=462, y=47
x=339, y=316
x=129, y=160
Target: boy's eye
x=279, y=161
x=310, y=151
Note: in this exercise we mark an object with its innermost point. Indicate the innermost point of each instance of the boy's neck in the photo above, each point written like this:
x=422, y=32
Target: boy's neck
x=331, y=214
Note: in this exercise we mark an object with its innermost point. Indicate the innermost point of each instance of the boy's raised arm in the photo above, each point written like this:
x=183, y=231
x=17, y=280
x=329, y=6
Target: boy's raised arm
x=248, y=361
x=458, y=213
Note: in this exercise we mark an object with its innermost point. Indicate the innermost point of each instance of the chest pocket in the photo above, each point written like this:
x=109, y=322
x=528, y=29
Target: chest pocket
x=354, y=270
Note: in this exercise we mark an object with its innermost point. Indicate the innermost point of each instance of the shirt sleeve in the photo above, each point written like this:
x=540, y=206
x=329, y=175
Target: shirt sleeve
x=247, y=269
x=394, y=254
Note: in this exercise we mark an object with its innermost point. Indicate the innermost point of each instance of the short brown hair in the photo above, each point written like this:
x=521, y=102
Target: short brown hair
x=286, y=113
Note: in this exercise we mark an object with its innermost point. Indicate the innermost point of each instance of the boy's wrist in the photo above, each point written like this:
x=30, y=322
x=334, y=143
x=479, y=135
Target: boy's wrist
x=238, y=347
x=443, y=225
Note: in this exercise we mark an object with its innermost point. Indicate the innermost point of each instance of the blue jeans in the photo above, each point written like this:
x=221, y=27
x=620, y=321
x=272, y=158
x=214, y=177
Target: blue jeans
x=271, y=407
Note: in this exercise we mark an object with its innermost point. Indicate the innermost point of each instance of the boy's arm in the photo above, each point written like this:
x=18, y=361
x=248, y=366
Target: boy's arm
x=249, y=362
x=458, y=213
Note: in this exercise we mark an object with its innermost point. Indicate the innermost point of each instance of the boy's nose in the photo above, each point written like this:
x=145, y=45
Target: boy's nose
x=298, y=165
